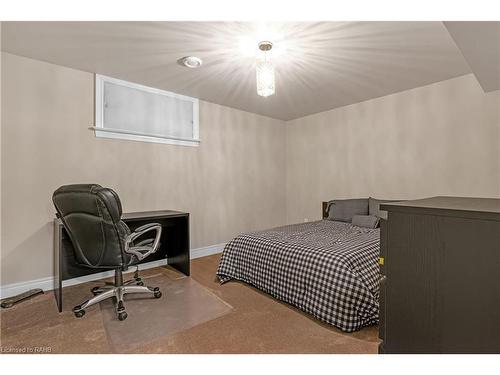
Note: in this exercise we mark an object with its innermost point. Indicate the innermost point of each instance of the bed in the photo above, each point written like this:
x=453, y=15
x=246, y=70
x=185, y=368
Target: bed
x=326, y=268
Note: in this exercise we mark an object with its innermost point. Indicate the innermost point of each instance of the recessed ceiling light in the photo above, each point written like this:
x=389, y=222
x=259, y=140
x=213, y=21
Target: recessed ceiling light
x=191, y=62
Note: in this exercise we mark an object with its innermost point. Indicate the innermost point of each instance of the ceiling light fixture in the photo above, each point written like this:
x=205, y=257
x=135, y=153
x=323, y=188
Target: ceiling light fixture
x=191, y=62
x=265, y=70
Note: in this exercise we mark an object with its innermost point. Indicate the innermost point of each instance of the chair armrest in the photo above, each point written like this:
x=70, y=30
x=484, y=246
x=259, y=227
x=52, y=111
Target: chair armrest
x=143, y=228
x=142, y=251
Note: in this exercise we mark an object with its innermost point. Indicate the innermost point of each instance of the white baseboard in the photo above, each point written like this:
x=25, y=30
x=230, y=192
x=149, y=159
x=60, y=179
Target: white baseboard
x=9, y=290
x=48, y=283
x=207, y=250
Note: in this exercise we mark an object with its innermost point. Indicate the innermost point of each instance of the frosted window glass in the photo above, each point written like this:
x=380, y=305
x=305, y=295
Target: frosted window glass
x=135, y=110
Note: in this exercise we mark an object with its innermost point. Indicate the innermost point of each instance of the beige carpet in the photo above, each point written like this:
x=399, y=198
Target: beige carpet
x=256, y=323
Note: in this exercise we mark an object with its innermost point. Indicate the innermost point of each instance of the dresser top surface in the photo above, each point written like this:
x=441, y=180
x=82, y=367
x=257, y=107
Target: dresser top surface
x=488, y=206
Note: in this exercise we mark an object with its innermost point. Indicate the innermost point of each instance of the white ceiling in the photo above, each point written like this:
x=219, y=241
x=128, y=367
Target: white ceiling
x=479, y=42
x=319, y=66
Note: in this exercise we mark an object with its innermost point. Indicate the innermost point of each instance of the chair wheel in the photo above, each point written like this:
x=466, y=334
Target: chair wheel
x=79, y=313
x=157, y=294
x=95, y=291
x=122, y=315
x=140, y=283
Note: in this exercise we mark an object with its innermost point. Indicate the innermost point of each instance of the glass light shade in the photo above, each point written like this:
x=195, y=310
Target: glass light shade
x=265, y=77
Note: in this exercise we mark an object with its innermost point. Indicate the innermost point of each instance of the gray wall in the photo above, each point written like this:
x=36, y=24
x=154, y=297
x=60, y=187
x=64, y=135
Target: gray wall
x=441, y=139
x=1, y=127
x=250, y=172
x=233, y=182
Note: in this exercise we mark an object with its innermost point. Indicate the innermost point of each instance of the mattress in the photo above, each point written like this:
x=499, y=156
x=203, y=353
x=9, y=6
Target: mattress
x=328, y=269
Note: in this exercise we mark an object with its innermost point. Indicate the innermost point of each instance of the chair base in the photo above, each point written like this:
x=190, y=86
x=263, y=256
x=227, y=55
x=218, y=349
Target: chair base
x=116, y=290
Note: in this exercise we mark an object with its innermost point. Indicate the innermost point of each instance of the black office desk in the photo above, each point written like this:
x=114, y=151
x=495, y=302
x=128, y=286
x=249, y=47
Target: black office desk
x=174, y=245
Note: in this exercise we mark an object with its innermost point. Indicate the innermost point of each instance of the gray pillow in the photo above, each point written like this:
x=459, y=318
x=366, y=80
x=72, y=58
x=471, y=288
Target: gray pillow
x=374, y=207
x=345, y=209
x=366, y=221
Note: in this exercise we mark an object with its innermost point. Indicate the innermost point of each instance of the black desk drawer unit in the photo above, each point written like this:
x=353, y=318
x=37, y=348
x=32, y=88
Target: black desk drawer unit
x=440, y=288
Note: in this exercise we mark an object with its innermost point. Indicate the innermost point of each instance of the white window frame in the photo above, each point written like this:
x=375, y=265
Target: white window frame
x=102, y=132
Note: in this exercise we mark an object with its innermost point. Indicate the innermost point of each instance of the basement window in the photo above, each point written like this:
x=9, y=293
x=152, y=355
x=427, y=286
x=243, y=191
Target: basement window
x=125, y=110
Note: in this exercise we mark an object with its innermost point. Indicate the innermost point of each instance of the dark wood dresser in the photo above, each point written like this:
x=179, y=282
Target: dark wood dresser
x=440, y=287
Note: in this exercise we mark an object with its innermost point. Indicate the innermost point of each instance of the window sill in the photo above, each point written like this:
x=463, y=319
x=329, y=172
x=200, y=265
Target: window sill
x=133, y=136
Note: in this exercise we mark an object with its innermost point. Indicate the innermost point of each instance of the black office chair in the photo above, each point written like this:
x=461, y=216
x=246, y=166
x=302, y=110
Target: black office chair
x=91, y=215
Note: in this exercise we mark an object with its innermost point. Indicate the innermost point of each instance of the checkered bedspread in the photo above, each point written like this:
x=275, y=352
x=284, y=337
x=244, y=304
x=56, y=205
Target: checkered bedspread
x=326, y=268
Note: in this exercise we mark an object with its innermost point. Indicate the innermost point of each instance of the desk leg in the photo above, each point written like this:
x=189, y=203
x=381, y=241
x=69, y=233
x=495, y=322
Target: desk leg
x=178, y=255
x=58, y=265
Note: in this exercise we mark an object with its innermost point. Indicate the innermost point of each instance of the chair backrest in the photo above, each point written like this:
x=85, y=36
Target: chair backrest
x=91, y=215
